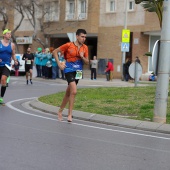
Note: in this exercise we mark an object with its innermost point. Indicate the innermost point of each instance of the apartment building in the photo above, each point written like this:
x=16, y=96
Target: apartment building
x=62, y=17
x=103, y=20
x=144, y=31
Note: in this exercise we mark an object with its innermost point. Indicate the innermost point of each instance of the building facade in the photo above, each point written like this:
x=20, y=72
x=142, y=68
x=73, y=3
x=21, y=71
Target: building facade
x=103, y=20
x=144, y=31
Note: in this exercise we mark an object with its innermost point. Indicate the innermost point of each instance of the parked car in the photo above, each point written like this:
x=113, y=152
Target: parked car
x=22, y=63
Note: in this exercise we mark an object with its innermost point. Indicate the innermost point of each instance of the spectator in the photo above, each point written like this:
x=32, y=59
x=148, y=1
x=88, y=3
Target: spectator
x=61, y=59
x=152, y=77
x=109, y=71
x=55, y=69
x=38, y=62
x=94, y=63
x=44, y=60
x=137, y=60
x=16, y=67
x=48, y=64
x=126, y=69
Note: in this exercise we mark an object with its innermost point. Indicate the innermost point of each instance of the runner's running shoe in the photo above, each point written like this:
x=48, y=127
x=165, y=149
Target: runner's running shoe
x=1, y=100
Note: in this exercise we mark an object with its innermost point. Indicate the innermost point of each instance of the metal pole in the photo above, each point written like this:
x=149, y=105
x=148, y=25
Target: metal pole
x=162, y=87
x=136, y=73
x=125, y=27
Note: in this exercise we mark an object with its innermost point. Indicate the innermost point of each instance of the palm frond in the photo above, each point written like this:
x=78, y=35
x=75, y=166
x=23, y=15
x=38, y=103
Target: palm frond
x=154, y=6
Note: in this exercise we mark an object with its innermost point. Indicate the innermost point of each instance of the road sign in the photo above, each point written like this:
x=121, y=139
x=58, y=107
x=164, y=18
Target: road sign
x=125, y=47
x=155, y=57
x=72, y=36
x=138, y=71
x=126, y=36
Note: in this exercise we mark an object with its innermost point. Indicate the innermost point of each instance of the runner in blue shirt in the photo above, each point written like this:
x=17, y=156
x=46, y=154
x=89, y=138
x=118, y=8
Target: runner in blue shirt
x=7, y=50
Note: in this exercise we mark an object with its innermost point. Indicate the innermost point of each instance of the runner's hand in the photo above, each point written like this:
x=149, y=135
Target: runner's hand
x=82, y=55
x=16, y=62
x=62, y=65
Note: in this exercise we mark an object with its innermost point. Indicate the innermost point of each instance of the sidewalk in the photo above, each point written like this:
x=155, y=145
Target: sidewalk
x=110, y=120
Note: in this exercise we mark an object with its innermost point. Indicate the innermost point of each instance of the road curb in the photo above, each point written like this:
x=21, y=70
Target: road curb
x=110, y=120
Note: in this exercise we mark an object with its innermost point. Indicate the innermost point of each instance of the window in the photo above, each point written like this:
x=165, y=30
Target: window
x=70, y=9
x=54, y=11
x=131, y=5
x=47, y=11
x=51, y=10
x=82, y=8
x=76, y=9
x=111, y=6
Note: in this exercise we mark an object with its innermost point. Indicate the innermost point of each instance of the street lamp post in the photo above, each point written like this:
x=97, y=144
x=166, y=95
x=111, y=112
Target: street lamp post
x=162, y=87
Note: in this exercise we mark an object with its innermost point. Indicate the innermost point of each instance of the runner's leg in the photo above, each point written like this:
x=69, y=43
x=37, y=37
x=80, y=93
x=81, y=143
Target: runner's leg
x=64, y=103
x=3, y=86
x=30, y=75
x=73, y=92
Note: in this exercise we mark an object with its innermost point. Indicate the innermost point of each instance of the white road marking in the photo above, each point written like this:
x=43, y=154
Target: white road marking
x=9, y=104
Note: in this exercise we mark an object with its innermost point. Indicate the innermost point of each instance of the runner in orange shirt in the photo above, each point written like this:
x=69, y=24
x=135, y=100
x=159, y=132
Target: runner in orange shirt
x=75, y=54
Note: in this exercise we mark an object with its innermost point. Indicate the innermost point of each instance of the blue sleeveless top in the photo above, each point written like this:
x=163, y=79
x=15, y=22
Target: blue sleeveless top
x=5, y=54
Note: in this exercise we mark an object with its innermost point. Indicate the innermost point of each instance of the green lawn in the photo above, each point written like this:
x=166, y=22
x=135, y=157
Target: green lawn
x=131, y=102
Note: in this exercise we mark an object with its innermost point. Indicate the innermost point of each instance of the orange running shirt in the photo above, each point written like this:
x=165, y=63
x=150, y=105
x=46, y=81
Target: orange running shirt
x=72, y=53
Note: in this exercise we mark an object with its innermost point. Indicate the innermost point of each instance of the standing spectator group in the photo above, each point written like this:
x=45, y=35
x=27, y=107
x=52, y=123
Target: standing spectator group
x=46, y=65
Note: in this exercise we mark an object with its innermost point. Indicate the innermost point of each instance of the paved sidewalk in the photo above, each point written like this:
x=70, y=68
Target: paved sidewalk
x=111, y=120
x=100, y=82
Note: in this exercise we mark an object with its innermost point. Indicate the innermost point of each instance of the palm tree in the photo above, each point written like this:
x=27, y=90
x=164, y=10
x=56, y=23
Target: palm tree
x=153, y=6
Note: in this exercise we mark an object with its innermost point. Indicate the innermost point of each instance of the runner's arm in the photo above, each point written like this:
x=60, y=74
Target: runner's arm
x=85, y=60
x=13, y=54
x=84, y=56
x=55, y=54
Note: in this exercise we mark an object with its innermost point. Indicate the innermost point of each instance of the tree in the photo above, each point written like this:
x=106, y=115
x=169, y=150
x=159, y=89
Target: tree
x=30, y=11
x=11, y=5
x=153, y=6
x=38, y=14
x=44, y=11
x=25, y=8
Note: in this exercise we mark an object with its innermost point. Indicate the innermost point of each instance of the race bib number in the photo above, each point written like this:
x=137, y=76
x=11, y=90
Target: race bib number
x=28, y=62
x=79, y=74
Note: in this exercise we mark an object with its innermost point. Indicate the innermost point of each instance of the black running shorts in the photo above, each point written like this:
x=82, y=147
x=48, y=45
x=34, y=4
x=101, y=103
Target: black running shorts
x=28, y=67
x=4, y=71
x=70, y=77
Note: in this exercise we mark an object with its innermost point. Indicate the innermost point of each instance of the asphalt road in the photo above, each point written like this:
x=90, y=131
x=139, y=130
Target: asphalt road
x=33, y=140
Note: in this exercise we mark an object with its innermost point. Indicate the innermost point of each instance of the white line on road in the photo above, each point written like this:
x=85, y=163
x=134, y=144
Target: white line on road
x=9, y=104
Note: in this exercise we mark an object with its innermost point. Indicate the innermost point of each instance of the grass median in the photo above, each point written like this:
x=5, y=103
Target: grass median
x=130, y=102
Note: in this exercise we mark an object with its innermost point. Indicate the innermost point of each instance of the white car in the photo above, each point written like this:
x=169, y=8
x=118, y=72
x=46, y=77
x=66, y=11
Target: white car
x=22, y=63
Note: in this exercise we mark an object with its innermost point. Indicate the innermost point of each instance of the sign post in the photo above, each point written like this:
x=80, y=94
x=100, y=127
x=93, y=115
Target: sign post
x=135, y=71
x=124, y=47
